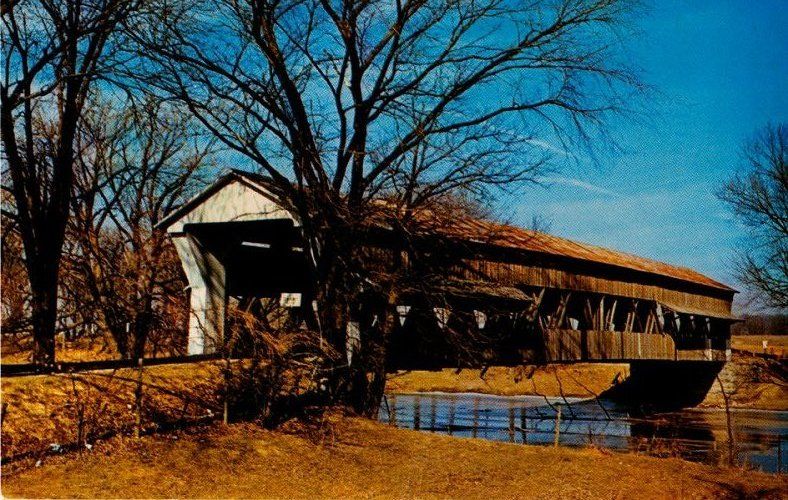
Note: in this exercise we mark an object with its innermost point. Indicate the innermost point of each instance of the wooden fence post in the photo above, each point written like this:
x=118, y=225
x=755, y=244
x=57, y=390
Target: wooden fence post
x=524, y=425
x=557, y=427
x=511, y=424
x=138, y=401
x=226, y=391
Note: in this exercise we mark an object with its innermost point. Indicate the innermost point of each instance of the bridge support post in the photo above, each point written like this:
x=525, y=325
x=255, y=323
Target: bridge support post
x=208, y=297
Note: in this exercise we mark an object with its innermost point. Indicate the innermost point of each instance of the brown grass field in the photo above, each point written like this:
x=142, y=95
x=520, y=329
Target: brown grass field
x=777, y=344
x=43, y=409
x=356, y=458
x=348, y=457
x=345, y=457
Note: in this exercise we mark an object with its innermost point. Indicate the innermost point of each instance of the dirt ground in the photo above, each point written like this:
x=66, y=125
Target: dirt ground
x=360, y=458
x=581, y=380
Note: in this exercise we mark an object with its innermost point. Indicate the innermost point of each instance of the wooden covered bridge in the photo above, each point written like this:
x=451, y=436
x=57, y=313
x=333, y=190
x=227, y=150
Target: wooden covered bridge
x=564, y=301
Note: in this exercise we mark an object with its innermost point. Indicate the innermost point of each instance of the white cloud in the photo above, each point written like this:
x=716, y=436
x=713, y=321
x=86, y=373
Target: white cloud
x=586, y=186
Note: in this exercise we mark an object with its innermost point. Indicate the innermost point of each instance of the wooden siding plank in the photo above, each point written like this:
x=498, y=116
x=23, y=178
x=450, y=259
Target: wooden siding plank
x=517, y=274
x=592, y=345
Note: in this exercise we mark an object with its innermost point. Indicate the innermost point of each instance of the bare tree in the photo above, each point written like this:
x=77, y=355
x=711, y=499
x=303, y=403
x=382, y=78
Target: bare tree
x=342, y=103
x=759, y=199
x=15, y=290
x=53, y=52
x=135, y=164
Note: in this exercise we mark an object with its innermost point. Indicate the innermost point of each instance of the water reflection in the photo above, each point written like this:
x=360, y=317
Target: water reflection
x=698, y=435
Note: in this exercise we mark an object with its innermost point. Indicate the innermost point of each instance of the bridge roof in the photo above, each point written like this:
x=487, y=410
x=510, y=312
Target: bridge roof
x=503, y=236
x=508, y=236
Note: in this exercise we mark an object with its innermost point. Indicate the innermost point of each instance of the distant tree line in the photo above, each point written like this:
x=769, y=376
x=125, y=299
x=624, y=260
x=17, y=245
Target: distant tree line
x=761, y=324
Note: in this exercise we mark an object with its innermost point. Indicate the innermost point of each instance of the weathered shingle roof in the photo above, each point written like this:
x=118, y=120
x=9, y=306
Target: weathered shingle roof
x=508, y=236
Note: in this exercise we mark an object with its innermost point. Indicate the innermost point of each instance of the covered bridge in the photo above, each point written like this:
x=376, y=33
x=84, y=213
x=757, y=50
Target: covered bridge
x=569, y=301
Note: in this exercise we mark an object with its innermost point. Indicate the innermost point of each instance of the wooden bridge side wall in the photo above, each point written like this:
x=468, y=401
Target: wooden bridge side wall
x=589, y=345
x=518, y=269
x=520, y=274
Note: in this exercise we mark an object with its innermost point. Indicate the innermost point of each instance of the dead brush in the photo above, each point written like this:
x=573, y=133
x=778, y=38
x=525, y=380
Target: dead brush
x=280, y=376
x=666, y=447
x=320, y=428
x=597, y=441
x=88, y=408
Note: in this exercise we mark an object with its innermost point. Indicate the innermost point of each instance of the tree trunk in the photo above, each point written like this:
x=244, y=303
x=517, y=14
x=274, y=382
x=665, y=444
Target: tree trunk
x=367, y=372
x=43, y=288
x=142, y=326
x=121, y=338
x=367, y=385
x=376, y=354
x=359, y=384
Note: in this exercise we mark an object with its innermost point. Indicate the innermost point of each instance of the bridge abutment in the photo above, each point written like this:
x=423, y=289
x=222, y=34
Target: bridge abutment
x=665, y=385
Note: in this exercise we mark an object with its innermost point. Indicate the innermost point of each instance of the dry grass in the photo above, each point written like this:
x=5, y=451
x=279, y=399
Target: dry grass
x=82, y=349
x=361, y=458
x=355, y=458
x=43, y=409
x=101, y=347
x=39, y=411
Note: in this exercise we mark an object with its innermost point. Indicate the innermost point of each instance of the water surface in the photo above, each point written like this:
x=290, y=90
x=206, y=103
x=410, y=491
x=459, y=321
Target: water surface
x=700, y=435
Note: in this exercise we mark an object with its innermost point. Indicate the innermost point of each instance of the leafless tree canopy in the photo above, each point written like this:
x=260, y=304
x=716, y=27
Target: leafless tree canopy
x=410, y=98
x=759, y=199
x=15, y=290
x=344, y=102
x=120, y=281
x=403, y=114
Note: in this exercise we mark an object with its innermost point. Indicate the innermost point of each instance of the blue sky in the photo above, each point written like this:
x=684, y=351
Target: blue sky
x=720, y=71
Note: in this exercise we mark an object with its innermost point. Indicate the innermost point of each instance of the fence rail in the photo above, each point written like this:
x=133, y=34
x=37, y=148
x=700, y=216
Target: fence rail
x=26, y=369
